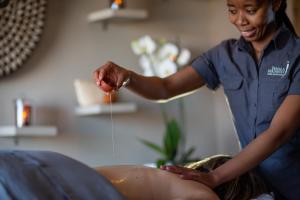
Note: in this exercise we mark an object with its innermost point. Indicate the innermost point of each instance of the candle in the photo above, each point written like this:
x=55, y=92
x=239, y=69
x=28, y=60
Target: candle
x=117, y=4
x=23, y=113
x=26, y=115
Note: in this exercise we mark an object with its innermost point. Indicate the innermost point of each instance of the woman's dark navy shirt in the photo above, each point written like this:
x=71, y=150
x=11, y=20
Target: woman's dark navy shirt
x=255, y=90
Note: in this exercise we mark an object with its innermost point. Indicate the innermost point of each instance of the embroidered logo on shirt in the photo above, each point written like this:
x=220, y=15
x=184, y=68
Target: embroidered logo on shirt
x=278, y=71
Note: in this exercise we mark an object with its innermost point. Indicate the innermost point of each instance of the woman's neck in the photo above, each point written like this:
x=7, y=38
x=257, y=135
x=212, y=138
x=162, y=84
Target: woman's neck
x=260, y=45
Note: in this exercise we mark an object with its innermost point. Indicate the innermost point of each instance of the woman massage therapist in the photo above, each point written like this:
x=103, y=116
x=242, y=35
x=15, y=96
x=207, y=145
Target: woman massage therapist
x=260, y=73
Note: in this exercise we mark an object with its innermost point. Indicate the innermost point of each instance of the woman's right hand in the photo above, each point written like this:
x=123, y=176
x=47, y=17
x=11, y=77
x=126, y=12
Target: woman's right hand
x=209, y=179
x=110, y=77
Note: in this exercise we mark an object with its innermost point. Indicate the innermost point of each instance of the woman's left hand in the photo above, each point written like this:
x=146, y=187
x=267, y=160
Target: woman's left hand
x=191, y=174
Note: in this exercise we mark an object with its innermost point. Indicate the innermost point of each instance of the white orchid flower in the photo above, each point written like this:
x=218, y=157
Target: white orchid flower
x=155, y=61
x=143, y=45
x=168, y=51
x=148, y=44
x=146, y=64
x=136, y=47
x=166, y=68
x=184, y=57
x=159, y=59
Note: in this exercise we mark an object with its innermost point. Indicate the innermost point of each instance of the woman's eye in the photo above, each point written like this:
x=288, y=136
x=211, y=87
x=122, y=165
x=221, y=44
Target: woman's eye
x=232, y=11
x=251, y=11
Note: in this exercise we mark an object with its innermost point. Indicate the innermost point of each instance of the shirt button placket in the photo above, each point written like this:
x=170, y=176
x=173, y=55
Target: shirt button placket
x=255, y=98
x=256, y=95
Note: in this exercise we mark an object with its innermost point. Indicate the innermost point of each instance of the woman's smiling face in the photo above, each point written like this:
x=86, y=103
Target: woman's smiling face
x=253, y=18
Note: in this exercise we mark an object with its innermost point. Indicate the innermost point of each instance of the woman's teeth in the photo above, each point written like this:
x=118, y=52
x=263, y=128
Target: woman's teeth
x=248, y=33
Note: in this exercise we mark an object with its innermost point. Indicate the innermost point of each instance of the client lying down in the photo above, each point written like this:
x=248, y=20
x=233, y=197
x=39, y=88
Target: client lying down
x=27, y=175
x=142, y=183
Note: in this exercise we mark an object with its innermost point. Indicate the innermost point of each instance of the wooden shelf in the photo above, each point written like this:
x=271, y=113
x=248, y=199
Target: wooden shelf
x=108, y=14
x=28, y=131
x=106, y=109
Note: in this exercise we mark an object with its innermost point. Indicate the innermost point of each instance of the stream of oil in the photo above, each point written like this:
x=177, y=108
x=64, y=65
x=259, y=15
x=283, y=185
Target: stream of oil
x=112, y=126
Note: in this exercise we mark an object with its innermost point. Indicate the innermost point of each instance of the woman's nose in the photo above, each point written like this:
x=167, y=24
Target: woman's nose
x=241, y=19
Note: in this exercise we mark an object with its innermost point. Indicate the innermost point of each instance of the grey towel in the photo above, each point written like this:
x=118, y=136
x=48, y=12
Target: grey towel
x=44, y=175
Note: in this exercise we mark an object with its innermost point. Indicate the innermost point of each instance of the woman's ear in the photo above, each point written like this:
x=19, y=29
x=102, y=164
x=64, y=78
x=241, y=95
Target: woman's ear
x=276, y=5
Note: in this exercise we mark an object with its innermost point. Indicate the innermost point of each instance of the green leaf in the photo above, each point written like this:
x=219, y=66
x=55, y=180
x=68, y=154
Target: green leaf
x=153, y=146
x=174, y=128
x=168, y=146
x=160, y=162
x=171, y=139
x=186, y=156
x=189, y=152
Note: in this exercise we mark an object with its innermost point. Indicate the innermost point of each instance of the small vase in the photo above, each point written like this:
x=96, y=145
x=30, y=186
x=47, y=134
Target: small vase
x=117, y=4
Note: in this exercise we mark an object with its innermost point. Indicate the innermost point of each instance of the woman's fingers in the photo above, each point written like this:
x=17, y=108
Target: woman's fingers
x=205, y=178
x=110, y=76
x=95, y=76
x=173, y=169
x=196, y=176
x=100, y=73
x=104, y=74
x=177, y=169
x=104, y=70
x=191, y=174
x=185, y=173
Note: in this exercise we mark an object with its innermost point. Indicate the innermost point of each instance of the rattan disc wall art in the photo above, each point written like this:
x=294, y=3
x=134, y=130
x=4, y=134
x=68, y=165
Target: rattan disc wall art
x=21, y=25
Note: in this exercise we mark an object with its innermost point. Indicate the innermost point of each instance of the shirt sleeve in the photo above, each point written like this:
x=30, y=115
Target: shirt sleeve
x=295, y=83
x=205, y=67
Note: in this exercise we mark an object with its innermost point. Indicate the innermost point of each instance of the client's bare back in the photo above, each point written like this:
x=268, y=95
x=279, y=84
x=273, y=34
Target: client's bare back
x=144, y=183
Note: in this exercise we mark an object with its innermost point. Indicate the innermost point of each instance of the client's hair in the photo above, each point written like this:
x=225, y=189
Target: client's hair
x=247, y=186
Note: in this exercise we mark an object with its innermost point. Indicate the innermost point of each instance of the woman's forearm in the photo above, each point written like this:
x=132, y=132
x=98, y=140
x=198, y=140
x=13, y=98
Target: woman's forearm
x=247, y=159
x=182, y=82
x=283, y=126
x=152, y=88
x=111, y=77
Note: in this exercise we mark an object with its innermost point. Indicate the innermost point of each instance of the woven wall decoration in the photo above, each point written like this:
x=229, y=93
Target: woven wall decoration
x=21, y=25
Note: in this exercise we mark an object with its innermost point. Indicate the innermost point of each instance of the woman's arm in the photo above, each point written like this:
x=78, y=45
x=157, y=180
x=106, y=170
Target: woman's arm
x=285, y=122
x=154, y=88
x=144, y=183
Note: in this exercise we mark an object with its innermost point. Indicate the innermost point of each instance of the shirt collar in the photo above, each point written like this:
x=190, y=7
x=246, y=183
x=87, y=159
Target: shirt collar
x=279, y=39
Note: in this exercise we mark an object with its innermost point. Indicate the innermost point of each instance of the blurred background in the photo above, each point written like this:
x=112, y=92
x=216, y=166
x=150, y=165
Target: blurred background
x=71, y=48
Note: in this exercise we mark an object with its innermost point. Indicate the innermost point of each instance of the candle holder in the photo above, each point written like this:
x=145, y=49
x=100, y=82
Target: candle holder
x=117, y=4
x=110, y=98
x=23, y=113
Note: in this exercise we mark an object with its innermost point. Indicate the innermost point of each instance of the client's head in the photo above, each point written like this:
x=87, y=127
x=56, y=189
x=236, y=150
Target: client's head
x=244, y=187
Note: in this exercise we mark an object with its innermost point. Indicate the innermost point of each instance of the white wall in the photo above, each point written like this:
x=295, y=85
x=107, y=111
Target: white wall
x=72, y=48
